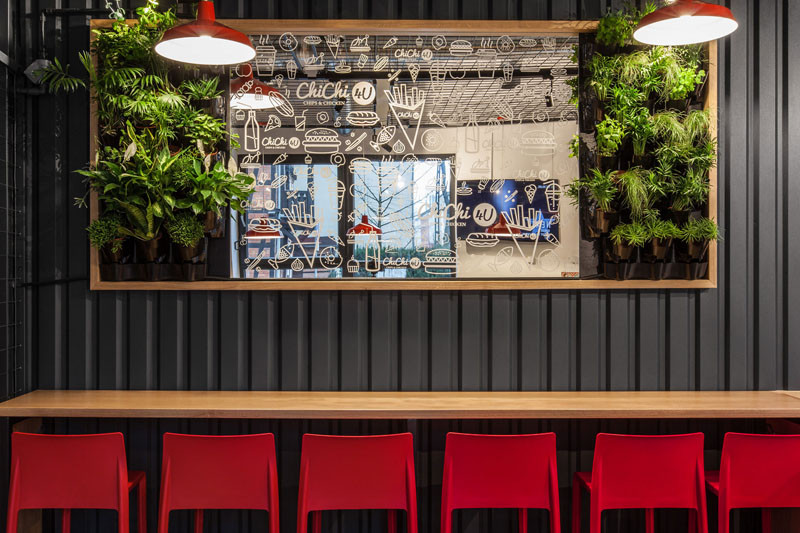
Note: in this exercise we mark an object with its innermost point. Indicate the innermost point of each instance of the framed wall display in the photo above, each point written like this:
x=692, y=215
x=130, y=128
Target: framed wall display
x=408, y=155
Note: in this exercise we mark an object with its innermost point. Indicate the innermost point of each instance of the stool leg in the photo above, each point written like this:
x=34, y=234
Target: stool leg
x=198, y=521
x=595, y=520
x=650, y=523
x=576, y=505
x=316, y=521
x=66, y=514
x=766, y=521
x=392, y=521
x=523, y=521
x=724, y=519
x=142, y=505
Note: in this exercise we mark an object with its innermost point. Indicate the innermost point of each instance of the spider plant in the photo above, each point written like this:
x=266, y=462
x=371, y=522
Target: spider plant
x=641, y=129
x=699, y=230
x=668, y=126
x=697, y=124
x=600, y=187
x=633, y=234
x=634, y=191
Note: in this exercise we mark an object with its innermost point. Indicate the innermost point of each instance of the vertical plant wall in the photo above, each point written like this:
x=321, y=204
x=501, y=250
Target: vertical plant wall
x=646, y=149
x=159, y=172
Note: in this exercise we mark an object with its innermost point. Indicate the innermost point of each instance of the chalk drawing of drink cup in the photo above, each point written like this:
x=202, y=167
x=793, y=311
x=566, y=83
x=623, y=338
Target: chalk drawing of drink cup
x=291, y=69
x=508, y=72
x=265, y=60
x=437, y=71
x=553, y=194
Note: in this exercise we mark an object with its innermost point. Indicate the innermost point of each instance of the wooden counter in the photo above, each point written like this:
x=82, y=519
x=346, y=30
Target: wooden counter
x=403, y=405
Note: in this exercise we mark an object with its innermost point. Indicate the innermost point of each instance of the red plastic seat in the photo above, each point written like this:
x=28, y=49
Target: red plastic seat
x=73, y=472
x=360, y=472
x=644, y=472
x=756, y=471
x=218, y=472
x=500, y=471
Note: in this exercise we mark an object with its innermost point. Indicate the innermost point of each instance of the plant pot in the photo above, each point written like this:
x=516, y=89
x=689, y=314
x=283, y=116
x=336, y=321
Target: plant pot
x=603, y=220
x=678, y=105
x=122, y=256
x=697, y=249
x=659, y=248
x=192, y=254
x=679, y=217
x=612, y=271
x=696, y=271
x=607, y=163
x=673, y=271
x=636, y=270
x=151, y=251
x=622, y=251
x=644, y=161
x=214, y=225
x=599, y=114
x=193, y=272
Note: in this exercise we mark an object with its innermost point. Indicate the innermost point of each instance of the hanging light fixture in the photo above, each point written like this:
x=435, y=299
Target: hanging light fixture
x=205, y=41
x=685, y=22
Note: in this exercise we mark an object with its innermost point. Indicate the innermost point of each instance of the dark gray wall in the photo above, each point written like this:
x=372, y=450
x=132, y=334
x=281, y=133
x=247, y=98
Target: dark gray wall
x=744, y=335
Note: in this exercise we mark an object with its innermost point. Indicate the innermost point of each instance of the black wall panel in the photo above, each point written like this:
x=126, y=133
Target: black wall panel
x=744, y=335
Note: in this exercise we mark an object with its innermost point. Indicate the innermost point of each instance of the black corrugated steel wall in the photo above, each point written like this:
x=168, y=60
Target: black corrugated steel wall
x=744, y=335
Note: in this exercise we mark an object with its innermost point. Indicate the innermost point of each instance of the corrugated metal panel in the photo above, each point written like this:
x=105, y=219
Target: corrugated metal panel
x=742, y=336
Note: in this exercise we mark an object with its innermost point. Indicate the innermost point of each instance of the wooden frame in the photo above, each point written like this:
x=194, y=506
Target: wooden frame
x=416, y=27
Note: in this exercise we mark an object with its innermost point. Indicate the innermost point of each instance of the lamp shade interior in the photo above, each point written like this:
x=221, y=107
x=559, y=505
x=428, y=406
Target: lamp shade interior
x=685, y=22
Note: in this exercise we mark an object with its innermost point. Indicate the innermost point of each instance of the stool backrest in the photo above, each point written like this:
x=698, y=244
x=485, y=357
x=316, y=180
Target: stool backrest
x=219, y=472
x=760, y=470
x=357, y=472
x=500, y=471
x=69, y=471
x=648, y=471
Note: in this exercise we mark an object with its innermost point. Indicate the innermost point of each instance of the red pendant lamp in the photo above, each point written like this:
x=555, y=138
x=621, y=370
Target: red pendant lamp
x=685, y=22
x=205, y=41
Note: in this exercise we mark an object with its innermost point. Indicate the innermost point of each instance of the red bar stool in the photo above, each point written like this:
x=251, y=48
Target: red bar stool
x=218, y=472
x=73, y=472
x=361, y=472
x=500, y=471
x=756, y=471
x=644, y=472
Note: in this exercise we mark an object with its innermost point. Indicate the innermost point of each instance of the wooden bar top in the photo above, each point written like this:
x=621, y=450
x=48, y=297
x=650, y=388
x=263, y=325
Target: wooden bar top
x=403, y=405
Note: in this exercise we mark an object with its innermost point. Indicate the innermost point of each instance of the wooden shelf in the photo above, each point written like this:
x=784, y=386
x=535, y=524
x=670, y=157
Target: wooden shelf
x=404, y=405
x=398, y=285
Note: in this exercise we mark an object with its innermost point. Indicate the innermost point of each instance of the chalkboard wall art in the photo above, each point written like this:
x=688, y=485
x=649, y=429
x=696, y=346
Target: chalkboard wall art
x=406, y=156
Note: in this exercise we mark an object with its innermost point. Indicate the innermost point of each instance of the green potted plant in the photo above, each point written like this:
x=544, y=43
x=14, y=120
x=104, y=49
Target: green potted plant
x=104, y=235
x=609, y=137
x=684, y=86
x=640, y=125
x=627, y=237
x=187, y=235
x=601, y=190
x=660, y=235
x=697, y=233
x=635, y=190
x=209, y=188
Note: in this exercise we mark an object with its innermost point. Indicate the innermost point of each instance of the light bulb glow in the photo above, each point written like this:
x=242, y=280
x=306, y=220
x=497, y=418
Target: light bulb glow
x=685, y=22
x=685, y=30
x=205, y=50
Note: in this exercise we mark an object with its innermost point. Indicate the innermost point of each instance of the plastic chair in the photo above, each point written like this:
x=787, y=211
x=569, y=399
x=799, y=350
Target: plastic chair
x=500, y=471
x=360, y=472
x=756, y=471
x=644, y=472
x=218, y=472
x=73, y=472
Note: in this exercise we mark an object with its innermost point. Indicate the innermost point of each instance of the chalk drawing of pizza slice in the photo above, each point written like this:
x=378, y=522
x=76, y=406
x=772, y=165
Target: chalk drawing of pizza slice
x=407, y=105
